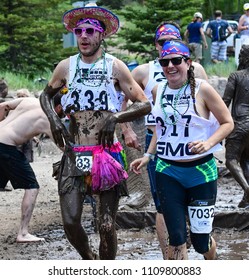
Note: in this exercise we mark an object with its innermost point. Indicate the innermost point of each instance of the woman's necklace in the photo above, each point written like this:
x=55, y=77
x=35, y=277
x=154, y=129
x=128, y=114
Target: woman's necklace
x=173, y=119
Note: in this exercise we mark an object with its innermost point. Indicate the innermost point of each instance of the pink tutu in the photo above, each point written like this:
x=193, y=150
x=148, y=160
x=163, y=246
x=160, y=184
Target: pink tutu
x=106, y=172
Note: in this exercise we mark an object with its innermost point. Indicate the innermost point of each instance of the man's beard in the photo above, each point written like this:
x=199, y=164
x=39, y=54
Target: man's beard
x=96, y=48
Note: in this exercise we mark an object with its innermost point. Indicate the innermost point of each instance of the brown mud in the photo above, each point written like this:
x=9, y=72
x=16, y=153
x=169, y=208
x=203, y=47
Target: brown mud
x=133, y=243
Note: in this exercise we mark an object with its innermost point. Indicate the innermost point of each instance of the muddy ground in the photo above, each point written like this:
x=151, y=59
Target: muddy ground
x=134, y=243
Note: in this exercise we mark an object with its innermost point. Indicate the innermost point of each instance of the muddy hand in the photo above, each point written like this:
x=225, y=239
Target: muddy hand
x=106, y=133
x=60, y=133
x=131, y=140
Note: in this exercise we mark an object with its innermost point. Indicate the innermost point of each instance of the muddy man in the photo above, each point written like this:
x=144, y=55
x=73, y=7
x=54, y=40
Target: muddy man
x=237, y=145
x=94, y=84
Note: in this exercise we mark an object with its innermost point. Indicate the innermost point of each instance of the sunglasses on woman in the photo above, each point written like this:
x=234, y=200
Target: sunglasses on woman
x=164, y=62
x=78, y=31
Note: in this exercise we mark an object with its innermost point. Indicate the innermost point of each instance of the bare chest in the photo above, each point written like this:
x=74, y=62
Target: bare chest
x=85, y=126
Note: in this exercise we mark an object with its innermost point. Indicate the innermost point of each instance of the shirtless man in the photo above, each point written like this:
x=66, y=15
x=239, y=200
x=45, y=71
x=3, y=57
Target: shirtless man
x=93, y=161
x=25, y=121
x=147, y=76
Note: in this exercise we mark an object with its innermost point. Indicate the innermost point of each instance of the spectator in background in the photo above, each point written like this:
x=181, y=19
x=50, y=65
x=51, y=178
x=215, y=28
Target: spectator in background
x=243, y=27
x=23, y=92
x=218, y=30
x=194, y=35
x=3, y=88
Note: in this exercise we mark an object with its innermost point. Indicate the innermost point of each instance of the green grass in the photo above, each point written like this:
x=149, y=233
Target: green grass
x=18, y=81
x=221, y=69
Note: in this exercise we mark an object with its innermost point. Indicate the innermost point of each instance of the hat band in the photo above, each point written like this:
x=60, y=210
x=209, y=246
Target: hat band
x=168, y=29
x=91, y=21
x=173, y=47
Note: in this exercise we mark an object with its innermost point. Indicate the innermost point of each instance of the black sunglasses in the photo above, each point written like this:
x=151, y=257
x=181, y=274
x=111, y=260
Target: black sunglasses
x=164, y=62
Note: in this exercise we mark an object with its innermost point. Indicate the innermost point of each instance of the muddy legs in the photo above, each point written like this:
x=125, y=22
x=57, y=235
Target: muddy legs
x=178, y=252
x=238, y=174
x=71, y=210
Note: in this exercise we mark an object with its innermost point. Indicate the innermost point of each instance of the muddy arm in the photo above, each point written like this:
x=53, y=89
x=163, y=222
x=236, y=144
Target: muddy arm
x=230, y=89
x=135, y=111
x=59, y=132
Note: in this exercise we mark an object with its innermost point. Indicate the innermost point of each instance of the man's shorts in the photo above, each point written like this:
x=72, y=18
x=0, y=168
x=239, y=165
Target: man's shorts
x=14, y=167
x=196, y=50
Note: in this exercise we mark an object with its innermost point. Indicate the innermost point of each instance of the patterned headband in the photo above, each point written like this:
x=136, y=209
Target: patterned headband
x=91, y=21
x=173, y=47
x=168, y=29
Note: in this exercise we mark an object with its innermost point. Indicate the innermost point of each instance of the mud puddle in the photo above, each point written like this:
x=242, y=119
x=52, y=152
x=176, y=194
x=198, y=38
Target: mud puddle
x=133, y=244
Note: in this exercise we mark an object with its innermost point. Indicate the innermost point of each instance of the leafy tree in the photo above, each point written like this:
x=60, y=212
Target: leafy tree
x=140, y=23
x=230, y=9
x=31, y=35
x=113, y=4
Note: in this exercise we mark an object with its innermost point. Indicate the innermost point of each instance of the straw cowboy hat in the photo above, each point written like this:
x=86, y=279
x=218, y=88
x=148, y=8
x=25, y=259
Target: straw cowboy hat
x=91, y=10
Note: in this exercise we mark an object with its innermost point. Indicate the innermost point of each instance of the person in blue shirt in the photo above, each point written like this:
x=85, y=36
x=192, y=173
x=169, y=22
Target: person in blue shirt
x=219, y=43
x=194, y=35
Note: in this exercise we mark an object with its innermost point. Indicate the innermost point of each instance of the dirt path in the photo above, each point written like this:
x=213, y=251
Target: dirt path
x=133, y=243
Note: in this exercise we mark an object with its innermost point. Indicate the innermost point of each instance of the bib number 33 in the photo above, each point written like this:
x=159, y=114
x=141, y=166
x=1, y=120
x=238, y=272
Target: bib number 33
x=84, y=161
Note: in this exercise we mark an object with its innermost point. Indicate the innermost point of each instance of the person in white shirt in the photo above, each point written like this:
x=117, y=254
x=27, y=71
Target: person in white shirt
x=185, y=138
x=243, y=27
x=148, y=75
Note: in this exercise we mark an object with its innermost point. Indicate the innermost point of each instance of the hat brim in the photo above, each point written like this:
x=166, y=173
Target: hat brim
x=111, y=21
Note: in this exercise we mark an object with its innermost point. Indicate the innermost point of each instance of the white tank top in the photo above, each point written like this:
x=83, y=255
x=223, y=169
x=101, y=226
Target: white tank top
x=177, y=123
x=156, y=76
x=245, y=23
x=91, y=86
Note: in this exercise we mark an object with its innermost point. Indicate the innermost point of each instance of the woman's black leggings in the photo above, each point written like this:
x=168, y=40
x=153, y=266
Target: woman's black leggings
x=174, y=200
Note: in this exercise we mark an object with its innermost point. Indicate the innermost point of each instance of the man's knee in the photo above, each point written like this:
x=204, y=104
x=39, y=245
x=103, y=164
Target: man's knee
x=107, y=224
x=70, y=222
x=231, y=163
x=32, y=192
